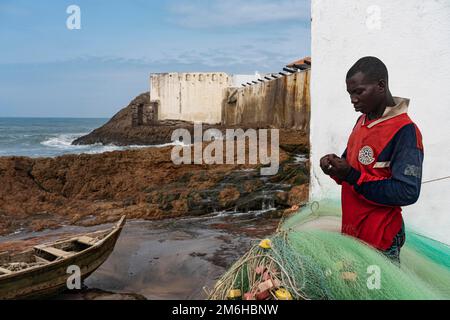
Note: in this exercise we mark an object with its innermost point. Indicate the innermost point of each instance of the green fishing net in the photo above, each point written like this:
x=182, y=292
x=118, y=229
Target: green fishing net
x=309, y=258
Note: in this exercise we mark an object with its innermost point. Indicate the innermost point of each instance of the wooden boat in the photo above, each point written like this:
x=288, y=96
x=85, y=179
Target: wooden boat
x=42, y=271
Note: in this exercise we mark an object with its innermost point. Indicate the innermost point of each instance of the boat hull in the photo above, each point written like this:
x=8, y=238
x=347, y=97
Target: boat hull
x=48, y=280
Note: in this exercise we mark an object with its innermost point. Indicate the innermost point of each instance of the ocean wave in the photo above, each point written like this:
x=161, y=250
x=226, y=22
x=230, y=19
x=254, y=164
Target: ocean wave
x=63, y=144
x=171, y=144
x=62, y=141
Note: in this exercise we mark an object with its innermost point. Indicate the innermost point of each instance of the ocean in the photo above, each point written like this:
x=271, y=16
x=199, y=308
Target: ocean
x=48, y=137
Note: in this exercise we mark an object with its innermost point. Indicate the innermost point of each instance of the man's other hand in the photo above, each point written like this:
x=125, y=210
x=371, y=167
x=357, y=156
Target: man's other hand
x=334, y=166
x=325, y=163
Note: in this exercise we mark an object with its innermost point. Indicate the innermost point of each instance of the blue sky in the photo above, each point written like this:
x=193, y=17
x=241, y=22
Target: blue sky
x=47, y=70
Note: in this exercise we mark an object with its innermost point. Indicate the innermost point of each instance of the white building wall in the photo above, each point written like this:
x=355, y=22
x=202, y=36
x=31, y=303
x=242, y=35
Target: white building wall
x=413, y=39
x=189, y=96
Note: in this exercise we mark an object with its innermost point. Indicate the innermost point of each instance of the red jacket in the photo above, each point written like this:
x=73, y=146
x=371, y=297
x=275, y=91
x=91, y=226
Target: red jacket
x=386, y=156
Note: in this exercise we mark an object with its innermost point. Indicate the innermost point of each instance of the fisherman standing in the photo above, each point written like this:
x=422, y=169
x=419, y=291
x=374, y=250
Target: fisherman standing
x=381, y=168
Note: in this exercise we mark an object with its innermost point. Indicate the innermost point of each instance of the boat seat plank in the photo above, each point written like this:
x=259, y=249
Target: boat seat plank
x=5, y=271
x=40, y=259
x=87, y=240
x=56, y=252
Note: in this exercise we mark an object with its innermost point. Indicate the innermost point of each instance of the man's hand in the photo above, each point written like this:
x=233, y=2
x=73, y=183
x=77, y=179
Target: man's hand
x=325, y=163
x=334, y=166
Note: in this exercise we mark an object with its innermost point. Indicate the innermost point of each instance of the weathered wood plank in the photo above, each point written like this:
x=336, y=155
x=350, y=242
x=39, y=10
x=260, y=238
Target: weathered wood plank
x=56, y=252
x=87, y=240
x=5, y=271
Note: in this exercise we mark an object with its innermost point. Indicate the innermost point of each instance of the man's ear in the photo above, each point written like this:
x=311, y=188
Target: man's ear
x=382, y=85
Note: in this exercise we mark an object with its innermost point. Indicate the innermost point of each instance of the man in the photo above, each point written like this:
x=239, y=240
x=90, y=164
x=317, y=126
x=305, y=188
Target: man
x=381, y=169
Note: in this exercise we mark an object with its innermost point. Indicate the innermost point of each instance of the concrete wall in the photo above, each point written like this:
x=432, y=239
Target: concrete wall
x=189, y=96
x=282, y=102
x=413, y=39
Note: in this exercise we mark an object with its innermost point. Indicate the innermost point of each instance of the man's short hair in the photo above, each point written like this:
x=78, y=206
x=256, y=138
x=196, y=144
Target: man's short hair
x=373, y=68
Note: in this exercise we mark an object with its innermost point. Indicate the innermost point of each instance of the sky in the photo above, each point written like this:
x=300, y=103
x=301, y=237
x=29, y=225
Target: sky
x=48, y=70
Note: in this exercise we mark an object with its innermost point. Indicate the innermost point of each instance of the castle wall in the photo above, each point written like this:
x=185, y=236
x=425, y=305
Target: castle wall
x=283, y=103
x=189, y=96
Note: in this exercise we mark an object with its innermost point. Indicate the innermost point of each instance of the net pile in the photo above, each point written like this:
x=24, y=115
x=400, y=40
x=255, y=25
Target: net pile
x=308, y=258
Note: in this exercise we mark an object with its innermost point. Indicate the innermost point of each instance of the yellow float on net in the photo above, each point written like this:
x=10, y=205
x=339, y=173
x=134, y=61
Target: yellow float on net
x=234, y=294
x=283, y=294
x=266, y=244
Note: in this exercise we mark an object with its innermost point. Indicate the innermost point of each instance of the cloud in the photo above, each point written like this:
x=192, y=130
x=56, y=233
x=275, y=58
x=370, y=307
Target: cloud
x=266, y=53
x=245, y=52
x=233, y=13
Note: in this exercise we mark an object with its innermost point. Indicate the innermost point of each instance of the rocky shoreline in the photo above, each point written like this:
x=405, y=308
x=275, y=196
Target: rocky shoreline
x=85, y=190
x=93, y=189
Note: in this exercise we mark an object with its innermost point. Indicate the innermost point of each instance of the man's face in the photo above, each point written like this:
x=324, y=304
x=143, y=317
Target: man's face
x=366, y=95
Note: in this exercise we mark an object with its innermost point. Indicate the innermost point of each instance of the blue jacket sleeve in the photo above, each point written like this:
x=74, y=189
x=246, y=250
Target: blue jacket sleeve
x=403, y=188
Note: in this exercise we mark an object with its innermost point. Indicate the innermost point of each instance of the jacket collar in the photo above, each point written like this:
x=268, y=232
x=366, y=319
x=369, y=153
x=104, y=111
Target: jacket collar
x=401, y=107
